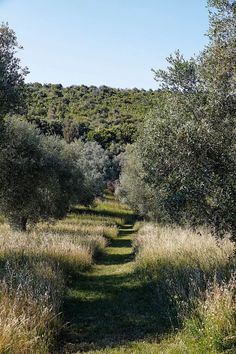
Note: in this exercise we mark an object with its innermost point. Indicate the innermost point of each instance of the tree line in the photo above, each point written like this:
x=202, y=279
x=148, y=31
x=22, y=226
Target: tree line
x=103, y=114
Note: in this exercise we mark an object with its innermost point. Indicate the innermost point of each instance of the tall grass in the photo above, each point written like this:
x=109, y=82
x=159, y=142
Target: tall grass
x=30, y=297
x=211, y=328
x=180, y=263
x=34, y=268
x=69, y=251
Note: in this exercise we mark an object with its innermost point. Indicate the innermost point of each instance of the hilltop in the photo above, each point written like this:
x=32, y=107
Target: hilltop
x=104, y=114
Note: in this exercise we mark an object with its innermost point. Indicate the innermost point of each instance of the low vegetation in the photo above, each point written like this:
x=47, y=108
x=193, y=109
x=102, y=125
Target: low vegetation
x=31, y=293
x=212, y=326
x=193, y=277
x=182, y=257
x=35, y=270
x=209, y=329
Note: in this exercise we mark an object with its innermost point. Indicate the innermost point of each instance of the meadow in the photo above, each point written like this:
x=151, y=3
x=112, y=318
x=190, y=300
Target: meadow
x=98, y=281
x=35, y=269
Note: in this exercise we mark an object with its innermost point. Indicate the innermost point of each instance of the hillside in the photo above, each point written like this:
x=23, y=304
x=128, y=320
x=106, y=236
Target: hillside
x=104, y=114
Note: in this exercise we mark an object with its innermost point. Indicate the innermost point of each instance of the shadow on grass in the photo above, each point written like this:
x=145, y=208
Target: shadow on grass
x=116, y=313
x=108, y=308
x=119, y=243
x=128, y=217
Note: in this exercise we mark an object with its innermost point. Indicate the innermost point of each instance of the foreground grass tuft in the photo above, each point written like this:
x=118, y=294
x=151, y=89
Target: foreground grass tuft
x=31, y=293
x=211, y=328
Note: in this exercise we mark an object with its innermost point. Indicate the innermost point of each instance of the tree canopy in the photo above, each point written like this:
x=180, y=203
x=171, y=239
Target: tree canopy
x=185, y=154
x=11, y=73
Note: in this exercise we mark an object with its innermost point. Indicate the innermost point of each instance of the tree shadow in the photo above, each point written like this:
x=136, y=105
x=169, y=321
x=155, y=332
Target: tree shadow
x=129, y=218
x=116, y=313
x=106, y=310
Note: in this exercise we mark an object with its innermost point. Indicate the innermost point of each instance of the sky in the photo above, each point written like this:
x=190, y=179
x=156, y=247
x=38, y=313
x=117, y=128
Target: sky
x=104, y=42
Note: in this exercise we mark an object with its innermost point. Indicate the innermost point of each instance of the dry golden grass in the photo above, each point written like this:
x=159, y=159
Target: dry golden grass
x=81, y=227
x=91, y=219
x=179, y=247
x=211, y=328
x=181, y=263
x=33, y=269
x=69, y=250
x=31, y=294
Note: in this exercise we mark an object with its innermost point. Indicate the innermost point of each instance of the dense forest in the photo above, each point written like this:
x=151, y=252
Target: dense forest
x=106, y=115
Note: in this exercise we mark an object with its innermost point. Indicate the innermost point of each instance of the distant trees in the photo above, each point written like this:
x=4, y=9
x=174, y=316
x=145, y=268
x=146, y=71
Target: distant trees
x=95, y=165
x=11, y=73
x=185, y=156
x=120, y=134
x=102, y=114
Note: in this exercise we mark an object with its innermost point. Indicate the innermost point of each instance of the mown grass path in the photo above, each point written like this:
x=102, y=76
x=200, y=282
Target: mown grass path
x=96, y=301
x=107, y=307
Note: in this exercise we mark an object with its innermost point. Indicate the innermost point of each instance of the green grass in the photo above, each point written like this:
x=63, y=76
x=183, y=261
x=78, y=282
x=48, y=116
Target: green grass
x=111, y=310
x=108, y=307
x=107, y=210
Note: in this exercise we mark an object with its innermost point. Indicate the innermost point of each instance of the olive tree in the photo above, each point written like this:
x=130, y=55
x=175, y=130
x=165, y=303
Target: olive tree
x=39, y=178
x=131, y=188
x=11, y=73
x=94, y=163
x=186, y=147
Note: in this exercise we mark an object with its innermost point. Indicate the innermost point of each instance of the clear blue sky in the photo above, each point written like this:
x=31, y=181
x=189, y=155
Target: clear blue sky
x=104, y=42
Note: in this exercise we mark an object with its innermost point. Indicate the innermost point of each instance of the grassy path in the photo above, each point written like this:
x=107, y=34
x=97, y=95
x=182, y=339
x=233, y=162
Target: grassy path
x=108, y=307
x=95, y=304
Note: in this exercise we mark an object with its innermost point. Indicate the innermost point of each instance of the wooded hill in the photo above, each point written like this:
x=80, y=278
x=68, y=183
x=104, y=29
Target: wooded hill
x=107, y=115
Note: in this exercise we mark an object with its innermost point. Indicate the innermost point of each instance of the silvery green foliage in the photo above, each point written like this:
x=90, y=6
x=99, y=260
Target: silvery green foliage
x=186, y=150
x=39, y=178
x=11, y=73
x=94, y=163
x=131, y=188
x=181, y=75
